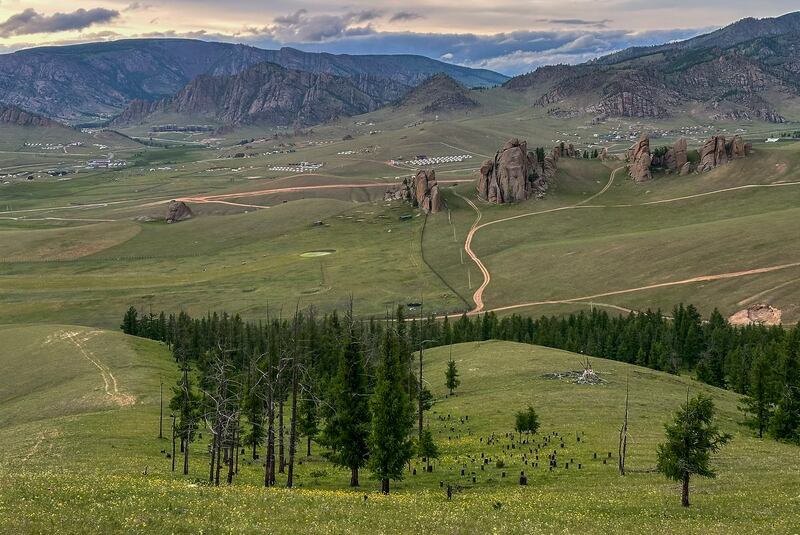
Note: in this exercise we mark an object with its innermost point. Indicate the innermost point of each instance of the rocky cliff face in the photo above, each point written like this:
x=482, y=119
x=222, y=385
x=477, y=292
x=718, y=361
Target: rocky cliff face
x=732, y=76
x=92, y=82
x=639, y=160
x=16, y=116
x=268, y=94
x=515, y=174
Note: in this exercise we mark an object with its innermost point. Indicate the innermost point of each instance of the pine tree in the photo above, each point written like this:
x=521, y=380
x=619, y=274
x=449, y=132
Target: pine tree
x=347, y=430
x=691, y=439
x=758, y=402
x=427, y=449
x=130, y=322
x=785, y=422
x=451, y=376
x=392, y=417
x=308, y=424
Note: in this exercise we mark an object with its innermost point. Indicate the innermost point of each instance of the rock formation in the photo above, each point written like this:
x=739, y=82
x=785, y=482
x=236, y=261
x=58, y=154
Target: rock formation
x=712, y=154
x=426, y=192
x=514, y=173
x=421, y=190
x=639, y=160
x=676, y=156
x=736, y=148
x=178, y=211
x=685, y=169
x=20, y=117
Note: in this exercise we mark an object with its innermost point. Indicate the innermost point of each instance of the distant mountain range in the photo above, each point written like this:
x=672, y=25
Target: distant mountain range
x=748, y=70
x=267, y=93
x=94, y=82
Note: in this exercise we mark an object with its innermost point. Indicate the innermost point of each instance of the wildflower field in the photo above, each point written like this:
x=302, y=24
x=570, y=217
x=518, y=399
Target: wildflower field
x=80, y=428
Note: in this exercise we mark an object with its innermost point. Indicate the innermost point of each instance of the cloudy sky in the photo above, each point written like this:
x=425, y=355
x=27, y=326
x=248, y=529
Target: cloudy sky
x=503, y=35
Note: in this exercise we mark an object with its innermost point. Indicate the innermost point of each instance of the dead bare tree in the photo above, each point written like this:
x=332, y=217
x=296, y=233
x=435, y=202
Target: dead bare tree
x=293, y=424
x=225, y=415
x=623, y=432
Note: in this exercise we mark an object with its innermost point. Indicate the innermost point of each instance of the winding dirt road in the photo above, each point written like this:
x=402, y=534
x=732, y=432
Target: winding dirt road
x=477, y=297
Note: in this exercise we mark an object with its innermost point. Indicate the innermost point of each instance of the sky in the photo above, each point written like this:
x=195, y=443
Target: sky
x=507, y=36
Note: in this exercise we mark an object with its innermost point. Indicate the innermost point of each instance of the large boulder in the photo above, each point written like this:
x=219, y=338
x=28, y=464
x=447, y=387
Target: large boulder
x=736, y=148
x=426, y=192
x=421, y=191
x=178, y=211
x=677, y=156
x=639, y=160
x=510, y=175
x=712, y=154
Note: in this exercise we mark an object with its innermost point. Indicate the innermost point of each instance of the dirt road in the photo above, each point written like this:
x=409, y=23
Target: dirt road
x=487, y=276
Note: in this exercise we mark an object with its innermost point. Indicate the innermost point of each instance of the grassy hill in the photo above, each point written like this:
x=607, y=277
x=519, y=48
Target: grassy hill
x=94, y=465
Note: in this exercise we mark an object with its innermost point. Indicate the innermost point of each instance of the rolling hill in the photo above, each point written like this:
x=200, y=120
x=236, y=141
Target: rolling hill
x=104, y=469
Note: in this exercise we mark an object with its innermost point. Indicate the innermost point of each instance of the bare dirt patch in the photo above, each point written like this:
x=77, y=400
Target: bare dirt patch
x=761, y=314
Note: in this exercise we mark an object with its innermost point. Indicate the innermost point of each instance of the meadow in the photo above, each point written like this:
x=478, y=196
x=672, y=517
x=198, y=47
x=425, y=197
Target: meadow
x=79, y=402
x=97, y=466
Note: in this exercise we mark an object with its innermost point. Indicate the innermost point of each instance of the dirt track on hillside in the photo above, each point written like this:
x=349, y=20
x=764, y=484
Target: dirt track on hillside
x=487, y=277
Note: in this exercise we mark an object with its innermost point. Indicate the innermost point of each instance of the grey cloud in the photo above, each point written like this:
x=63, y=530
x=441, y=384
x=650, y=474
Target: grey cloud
x=302, y=27
x=30, y=22
x=402, y=16
x=137, y=6
x=580, y=22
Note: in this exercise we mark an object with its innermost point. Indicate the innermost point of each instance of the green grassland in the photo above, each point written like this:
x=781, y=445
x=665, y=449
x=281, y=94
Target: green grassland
x=81, y=460
x=81, y=250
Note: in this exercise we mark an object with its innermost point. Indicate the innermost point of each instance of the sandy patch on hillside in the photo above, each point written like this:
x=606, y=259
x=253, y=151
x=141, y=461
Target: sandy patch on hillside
x=761, y=314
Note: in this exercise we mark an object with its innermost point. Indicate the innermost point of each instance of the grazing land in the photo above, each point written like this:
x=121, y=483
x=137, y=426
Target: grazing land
x=88, y=460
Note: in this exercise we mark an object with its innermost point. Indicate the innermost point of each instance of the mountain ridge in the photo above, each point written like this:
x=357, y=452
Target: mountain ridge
x=267, y=93
x=96, y=81
x=745, y=71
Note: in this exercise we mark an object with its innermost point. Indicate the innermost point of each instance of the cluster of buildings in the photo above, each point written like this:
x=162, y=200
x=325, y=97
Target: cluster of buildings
x=53, y=146
x=424, y=161
x=301, y=167
x=106, y=164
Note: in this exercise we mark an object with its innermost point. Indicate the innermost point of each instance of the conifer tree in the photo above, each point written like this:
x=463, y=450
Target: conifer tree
x=392, y=417
x=692, y=437
x=760, y=396
x=130, y=322
x=427, y=449
x=308, y=424
x=785, y=422
x=347, y=430
x=451, y=376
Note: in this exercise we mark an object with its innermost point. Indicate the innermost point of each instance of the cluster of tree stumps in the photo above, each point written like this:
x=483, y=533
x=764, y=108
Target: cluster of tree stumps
x=356, y=390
